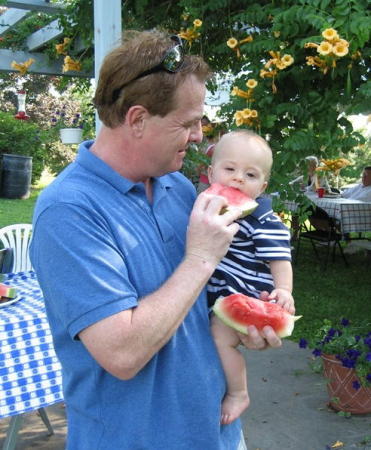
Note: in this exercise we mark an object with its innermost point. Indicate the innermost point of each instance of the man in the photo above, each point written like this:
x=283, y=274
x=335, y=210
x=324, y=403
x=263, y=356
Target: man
x=122, y=253
x=361, y=191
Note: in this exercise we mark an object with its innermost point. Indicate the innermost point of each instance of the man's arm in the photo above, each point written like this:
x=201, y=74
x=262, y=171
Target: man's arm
x=123, y=343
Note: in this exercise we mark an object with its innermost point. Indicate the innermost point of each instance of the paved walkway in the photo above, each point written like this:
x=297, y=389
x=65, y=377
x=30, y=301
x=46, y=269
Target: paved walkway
x=288, y=410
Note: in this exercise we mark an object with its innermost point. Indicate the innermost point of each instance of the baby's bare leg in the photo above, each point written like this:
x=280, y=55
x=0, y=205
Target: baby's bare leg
x=236, y=399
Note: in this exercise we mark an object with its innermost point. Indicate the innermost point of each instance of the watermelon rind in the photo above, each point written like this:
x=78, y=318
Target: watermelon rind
x=247, y=208
x=217, y=309
x=7, y=291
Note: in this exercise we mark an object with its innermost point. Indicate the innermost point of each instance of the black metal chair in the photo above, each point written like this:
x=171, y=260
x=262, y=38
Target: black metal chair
x=322, y=230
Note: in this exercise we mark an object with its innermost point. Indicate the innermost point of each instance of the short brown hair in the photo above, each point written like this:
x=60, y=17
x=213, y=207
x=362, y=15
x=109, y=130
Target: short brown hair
x=139, y=52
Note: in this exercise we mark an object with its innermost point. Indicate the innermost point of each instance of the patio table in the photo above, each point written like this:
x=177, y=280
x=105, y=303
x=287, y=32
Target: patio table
x=30, y=372
x=352, y=215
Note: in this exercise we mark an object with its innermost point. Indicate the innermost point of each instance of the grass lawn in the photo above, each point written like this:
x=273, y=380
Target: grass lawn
x=20, y=211
x=336, y=293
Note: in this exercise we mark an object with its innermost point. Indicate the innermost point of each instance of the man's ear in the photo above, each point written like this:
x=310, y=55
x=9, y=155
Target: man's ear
x=136, y=119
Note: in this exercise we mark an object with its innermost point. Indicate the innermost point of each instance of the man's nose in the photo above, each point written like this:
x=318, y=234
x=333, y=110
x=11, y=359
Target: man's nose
x=196, y=133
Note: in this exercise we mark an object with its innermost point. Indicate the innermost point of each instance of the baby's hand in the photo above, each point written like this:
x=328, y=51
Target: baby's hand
x=284, y=298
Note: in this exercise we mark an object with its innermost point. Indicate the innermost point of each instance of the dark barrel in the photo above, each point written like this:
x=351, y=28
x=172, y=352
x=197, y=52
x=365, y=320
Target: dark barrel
x=16, y=176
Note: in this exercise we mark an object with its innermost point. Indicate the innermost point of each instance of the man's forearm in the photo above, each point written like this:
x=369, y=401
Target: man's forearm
x=125, y=342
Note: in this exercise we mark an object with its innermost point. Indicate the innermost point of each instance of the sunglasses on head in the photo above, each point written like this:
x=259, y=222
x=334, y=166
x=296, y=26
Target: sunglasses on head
x=171, y=62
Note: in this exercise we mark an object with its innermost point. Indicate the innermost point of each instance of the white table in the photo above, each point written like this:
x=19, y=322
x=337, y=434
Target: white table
x=352, y=215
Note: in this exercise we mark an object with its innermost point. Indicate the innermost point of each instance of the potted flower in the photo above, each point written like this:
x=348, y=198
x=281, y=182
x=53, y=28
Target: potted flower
x=69, y=125
x=345, y=351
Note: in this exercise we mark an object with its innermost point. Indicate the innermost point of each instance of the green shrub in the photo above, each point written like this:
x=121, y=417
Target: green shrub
x=23, y=137
x=59, y=156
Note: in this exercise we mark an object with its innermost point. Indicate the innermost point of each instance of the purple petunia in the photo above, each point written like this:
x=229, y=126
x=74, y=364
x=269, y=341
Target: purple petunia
x=367, y=341
x=303, y=343
x=368, y=356
x=352, y=353
x=356, y=384
x=347, y=362
x=345, y=322
x=317, y=352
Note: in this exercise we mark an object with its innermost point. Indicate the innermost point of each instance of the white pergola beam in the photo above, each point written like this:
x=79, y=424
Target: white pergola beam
x=36, y=5
x=44, y=35
x=42, y=64
x=107, y=32
x=10, y=18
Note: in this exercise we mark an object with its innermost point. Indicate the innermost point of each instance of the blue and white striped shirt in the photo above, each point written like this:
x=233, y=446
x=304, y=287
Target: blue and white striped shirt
x=262, y=238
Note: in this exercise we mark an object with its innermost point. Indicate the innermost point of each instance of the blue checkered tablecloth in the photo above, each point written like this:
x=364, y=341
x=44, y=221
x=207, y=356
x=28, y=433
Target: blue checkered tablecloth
x=30, y=373
x=352, y=215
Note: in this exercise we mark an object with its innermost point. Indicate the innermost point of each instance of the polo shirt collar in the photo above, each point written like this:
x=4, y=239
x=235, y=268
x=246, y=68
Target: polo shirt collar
x=97, y=166
x=263, y=209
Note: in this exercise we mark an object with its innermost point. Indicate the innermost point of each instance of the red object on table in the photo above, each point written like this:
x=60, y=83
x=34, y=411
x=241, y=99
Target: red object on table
x=320, y=192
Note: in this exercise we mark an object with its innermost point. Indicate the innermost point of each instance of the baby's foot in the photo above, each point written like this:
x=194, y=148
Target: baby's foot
x=233, y=406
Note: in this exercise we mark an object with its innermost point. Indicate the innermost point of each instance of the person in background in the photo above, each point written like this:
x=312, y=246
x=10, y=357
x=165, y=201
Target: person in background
x=258, y=260
x=123, y=251
x=207, y=147
x=361, y=191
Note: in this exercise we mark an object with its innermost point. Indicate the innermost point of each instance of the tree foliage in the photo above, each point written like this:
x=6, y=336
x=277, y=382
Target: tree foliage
x=303, y=108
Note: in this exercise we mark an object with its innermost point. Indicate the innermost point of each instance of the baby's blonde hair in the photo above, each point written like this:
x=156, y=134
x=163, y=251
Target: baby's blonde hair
x=248, y=134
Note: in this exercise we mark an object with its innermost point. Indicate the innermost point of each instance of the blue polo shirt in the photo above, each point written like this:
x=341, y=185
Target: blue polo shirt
x=98, y=247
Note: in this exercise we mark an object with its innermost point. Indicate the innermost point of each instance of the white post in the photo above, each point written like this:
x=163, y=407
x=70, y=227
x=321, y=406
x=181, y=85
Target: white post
x=107, y=34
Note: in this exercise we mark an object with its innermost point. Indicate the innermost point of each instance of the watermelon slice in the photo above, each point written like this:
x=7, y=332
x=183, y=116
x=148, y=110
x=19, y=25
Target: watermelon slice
x=7, y=291
x=238, y=311
x=235, y=198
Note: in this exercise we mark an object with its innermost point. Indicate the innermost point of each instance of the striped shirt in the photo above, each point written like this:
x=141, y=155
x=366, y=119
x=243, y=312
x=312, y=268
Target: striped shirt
x=262, y=238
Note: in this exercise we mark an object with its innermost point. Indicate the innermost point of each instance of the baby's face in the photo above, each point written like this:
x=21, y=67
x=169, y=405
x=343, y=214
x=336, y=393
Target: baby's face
x=242, y=164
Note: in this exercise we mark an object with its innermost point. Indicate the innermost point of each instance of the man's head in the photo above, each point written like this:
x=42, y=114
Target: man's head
x=145, y=70
x=242, y=159
x=366, y=176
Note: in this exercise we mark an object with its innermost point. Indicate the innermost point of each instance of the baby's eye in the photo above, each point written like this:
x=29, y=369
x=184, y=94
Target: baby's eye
x=229, y=169
x=250, y=174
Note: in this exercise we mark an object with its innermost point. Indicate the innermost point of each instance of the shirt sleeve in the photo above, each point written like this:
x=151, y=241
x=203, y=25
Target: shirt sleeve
x=348, y=192
x=80, y=269
x=272, y=240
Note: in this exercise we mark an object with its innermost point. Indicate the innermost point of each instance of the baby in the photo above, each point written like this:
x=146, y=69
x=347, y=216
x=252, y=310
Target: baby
x=258, y=259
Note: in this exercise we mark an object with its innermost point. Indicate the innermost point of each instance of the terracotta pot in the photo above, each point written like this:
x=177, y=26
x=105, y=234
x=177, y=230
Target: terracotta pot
x=343, y=396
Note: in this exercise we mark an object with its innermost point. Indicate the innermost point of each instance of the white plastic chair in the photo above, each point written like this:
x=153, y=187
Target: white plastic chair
x=18, y=237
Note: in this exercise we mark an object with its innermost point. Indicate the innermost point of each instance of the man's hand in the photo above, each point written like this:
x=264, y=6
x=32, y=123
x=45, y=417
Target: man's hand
x=256, y=340
x=209, y=232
